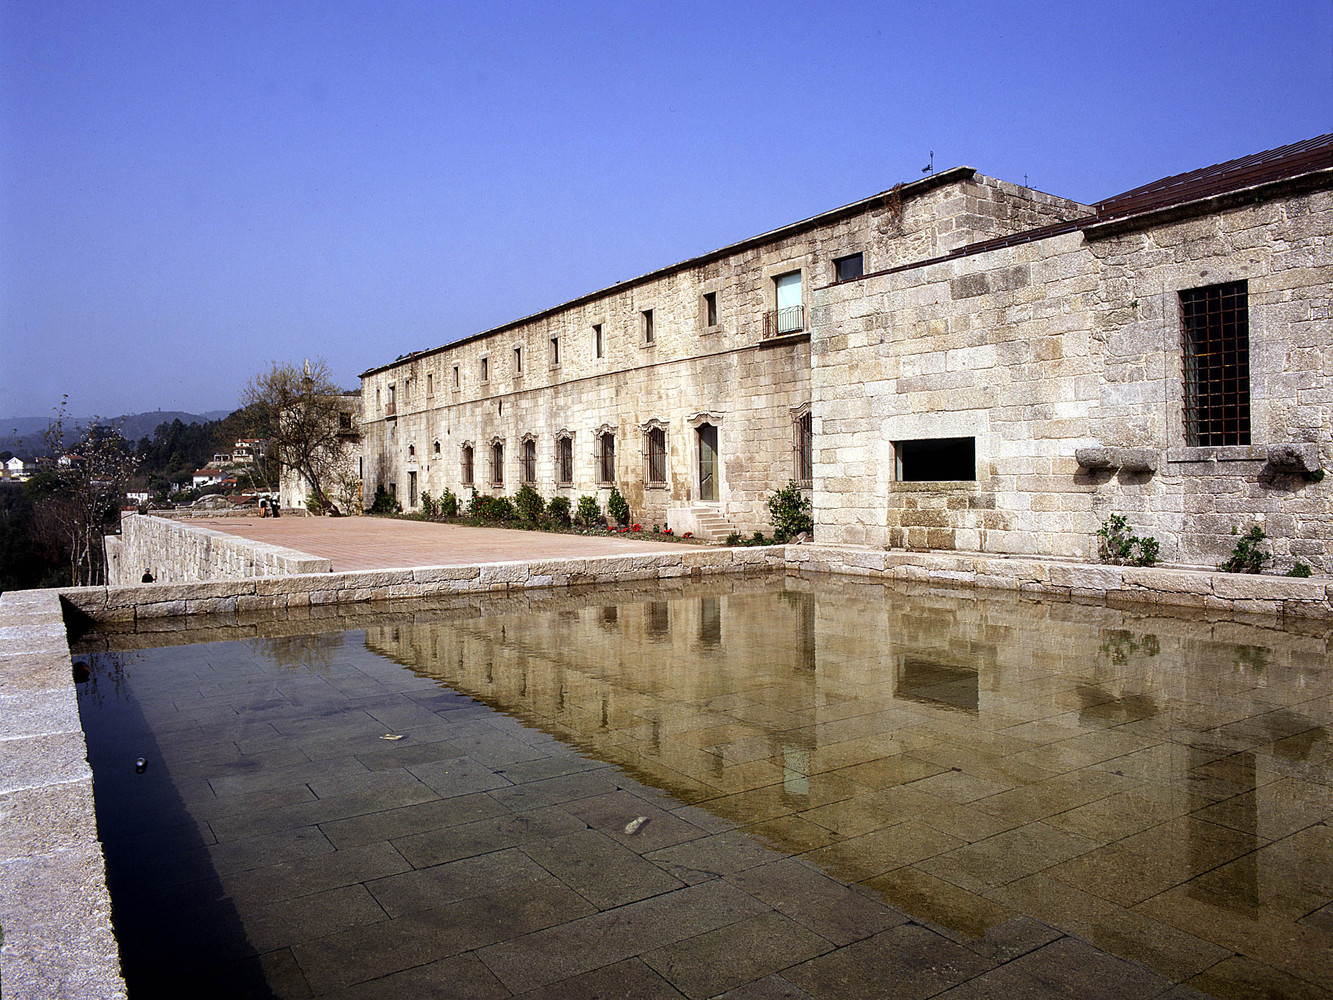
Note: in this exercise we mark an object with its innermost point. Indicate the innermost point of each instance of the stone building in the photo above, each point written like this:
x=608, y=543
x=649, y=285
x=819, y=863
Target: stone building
x=956, y=363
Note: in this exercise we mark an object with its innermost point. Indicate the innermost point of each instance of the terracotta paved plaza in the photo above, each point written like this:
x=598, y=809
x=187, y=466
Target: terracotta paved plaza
x=384, y=543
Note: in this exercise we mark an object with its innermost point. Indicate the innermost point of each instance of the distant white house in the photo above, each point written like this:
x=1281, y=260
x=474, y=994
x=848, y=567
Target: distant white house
x=208, y=477
x=13, y=469
x=138, y=497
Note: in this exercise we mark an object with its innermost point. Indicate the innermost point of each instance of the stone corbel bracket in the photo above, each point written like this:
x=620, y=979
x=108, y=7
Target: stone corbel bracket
x=1136, y=460
x=1295, y=459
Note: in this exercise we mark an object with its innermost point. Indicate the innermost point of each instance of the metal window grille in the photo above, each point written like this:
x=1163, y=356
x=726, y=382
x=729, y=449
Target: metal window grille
x=606, y=458
x=498, y=464
x=467, y=466
x=656, y=455
x=1216, y=340
x=805, y=451
x=529, y=462
x=564, y=449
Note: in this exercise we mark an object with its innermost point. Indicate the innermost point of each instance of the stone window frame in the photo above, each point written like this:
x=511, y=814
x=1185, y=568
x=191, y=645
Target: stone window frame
x=564, y=439
x=713, y=288
x=484, y=364
x=497, y=469
x=458, y=379
x=647, y=429
x=694, y=421
x=801, y=453
x=599, y=459
x=518, y=361
x=467, y=458
x=770, y=275
x=598, y=330
x=555, y=350
x=430, y=385
x=647, y=328
x=527, y=460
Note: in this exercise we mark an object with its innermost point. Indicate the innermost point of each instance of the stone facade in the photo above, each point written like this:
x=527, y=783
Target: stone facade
x=689, y=347
x=999, y=372
x=1072, y=345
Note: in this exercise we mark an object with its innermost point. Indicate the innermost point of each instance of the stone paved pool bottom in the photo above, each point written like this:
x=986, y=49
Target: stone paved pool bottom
x=955, y=763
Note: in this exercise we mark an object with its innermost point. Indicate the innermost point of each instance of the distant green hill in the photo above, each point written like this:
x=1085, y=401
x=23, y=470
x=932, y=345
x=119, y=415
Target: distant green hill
x=23, y=435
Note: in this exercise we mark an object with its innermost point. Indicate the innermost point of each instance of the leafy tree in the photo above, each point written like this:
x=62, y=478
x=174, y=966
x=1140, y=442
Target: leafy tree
x=790, y=510
x=297, y=411
x=618, y=507
x=589, y=511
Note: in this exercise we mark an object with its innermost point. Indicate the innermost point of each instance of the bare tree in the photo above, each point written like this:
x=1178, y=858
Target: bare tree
x=79, y=493
x=297, y=411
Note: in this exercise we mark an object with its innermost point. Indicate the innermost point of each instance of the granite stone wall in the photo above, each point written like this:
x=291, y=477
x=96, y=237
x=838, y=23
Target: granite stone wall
x=176, y=551
x=1070, y=344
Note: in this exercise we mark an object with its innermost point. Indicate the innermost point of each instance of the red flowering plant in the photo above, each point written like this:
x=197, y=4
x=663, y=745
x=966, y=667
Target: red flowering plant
x=688, y=534
x=636, y=527
x=667, y=531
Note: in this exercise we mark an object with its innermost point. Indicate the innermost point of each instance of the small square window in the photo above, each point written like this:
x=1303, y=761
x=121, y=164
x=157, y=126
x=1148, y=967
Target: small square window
x=849, y=267
x=710, y=309
x=649, y=334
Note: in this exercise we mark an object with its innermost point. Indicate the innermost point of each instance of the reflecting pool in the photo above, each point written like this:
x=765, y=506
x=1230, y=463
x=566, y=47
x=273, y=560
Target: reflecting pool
x=835, y=785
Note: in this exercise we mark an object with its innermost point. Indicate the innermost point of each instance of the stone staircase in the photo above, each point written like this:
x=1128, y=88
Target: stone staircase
x=712, y=525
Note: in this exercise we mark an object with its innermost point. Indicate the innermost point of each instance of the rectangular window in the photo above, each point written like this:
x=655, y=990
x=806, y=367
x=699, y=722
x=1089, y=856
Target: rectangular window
x=805, y=451
x=498, y=463
x=467, y=465
x=1215, y=335
x=657, y=456
x=849, y=267
x=555, y=352
x=518, y=361
x=606, y=458
x=485, y=369
x=789, y=316
x=936, y=460
x=344, y=421
x=647, y=321
x=564, y=461
x=528, y=462
x=456, y=377
x=430, y=384
x=597, y=344
x=710, y=309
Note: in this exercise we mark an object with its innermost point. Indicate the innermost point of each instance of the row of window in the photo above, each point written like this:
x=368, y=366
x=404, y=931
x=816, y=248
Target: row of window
x=604, y=456
x=786, y=318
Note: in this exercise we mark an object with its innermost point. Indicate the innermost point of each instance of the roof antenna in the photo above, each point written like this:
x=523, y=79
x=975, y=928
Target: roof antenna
x=929, y=168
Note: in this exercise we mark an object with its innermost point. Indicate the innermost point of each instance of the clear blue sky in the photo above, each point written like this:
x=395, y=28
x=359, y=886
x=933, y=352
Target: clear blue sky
x=189, y=191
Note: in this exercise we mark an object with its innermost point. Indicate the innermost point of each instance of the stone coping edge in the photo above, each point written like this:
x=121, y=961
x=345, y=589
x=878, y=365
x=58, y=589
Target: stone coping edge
x=54, y=906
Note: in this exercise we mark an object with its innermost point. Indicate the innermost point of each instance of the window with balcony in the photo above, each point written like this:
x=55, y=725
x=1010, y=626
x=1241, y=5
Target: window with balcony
x=788, y=315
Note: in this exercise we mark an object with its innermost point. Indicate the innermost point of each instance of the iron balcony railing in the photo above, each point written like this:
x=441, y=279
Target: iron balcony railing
x=781, y=322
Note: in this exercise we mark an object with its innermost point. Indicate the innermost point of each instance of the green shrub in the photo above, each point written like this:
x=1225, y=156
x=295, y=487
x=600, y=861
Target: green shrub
x=734, y=538
x=589, y=512
x=383, y=502
x=530, y=504
x=618, y=507
x=790, y=511
x=1300, y=569
x=1117, y=545
x=558, y=509
x=312, y=503
x=448, y=504
x=488, y=508
x=427, y=504
x=1247, y=556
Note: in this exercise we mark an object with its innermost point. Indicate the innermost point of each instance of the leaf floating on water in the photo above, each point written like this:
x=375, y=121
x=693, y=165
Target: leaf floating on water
x=635, y=825
x=391, y=736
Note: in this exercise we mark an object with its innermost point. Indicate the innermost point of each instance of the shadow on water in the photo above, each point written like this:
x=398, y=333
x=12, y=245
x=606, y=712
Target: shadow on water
x=178, y=932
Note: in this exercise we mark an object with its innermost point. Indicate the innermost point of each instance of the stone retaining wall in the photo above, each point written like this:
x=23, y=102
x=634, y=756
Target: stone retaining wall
x=175, y=551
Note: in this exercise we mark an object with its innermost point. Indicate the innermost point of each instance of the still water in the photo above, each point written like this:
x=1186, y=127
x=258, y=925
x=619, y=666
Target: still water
x=445, y=799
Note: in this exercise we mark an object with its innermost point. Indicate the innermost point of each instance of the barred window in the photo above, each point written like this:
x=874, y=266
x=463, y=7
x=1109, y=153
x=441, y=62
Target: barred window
x=498, y=463
x=467, y=465
x=606, y=458
x=564, y=460
x=805, y=451
x=1215, y=338
x=657, y=456
x=528, y=462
